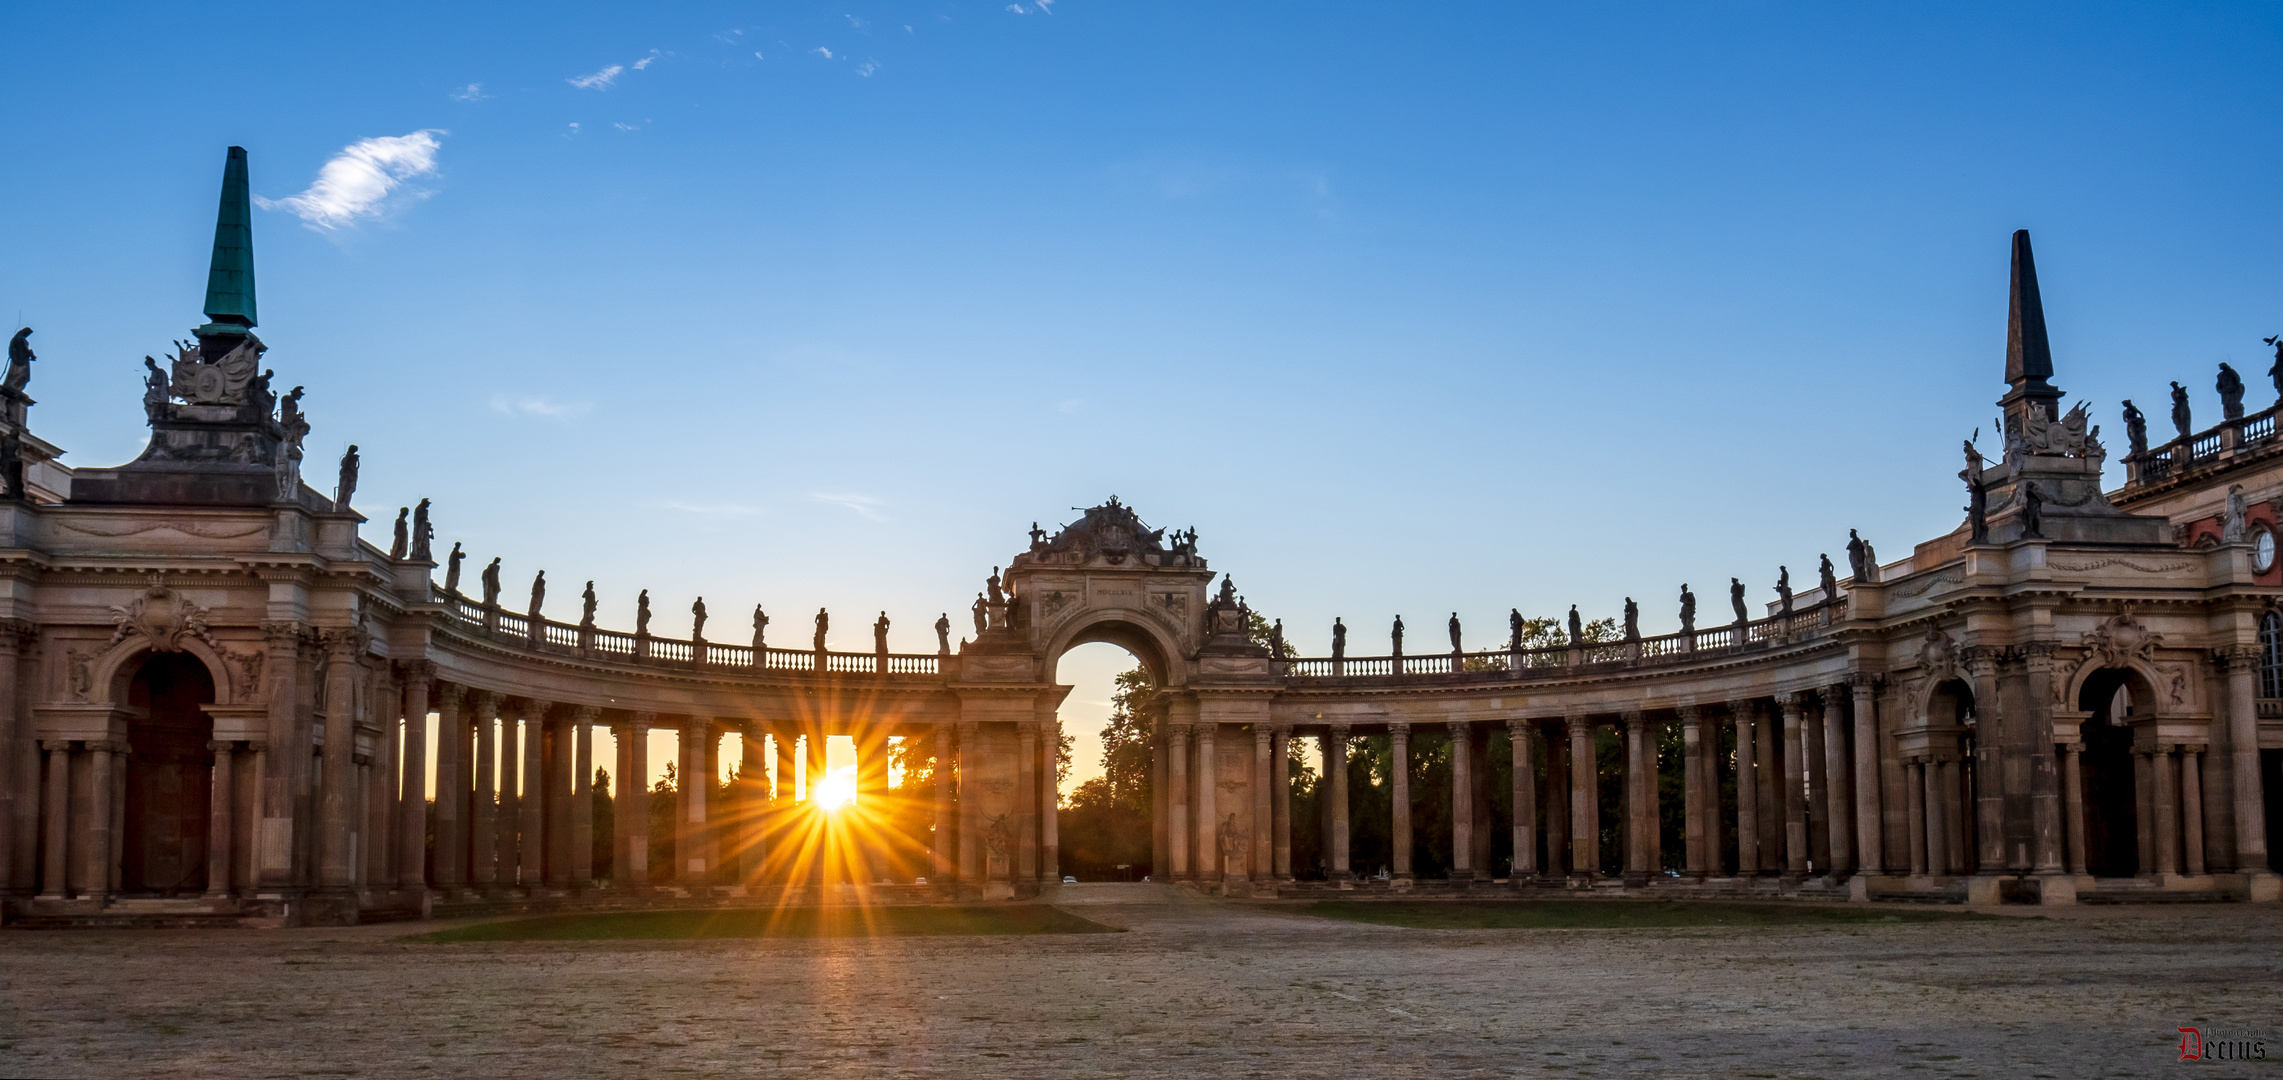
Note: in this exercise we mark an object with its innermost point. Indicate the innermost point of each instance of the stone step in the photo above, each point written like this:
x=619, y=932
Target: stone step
x=2152, y=895
x=121, y=920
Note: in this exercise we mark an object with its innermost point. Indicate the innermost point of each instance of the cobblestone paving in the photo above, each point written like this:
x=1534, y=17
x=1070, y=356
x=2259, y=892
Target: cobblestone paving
x=1194, y=989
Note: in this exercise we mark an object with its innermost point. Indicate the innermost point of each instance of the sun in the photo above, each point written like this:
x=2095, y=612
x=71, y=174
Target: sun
x=837, y=789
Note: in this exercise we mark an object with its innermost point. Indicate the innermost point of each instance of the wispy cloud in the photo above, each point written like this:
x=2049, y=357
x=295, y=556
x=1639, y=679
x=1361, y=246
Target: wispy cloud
x=864, y=505
x=523, y=405
x=824, y=52
x=600, y=80
x=472, y=92
x=626, y=127
x=358, y=181
x=647, y=60
x=712, y=509
x=574, y=129
x=867, y=68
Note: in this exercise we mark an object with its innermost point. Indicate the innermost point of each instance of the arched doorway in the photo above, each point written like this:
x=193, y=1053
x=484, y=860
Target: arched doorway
x=2116, y=698
x=1949, y=782
x=169, y=771
x=1111, y=717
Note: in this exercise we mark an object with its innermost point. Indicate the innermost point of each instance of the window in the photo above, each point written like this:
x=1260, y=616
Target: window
x=2271, y=655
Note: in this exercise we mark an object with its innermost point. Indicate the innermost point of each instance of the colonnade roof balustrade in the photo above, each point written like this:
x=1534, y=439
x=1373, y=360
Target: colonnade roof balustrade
x=1717, y=644
x=471, y=619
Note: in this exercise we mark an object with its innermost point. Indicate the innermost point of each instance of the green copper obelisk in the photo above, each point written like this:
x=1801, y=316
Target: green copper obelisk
x=230, y=281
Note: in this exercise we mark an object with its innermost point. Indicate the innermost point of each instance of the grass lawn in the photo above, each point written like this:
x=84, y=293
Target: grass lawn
x=1610, y=914
x=787, y=923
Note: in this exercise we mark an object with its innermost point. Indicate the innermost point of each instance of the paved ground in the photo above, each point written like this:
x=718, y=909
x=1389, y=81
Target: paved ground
x=1195, y=989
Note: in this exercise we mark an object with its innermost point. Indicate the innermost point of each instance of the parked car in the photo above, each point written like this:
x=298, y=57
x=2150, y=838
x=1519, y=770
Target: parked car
x=1068, y=880
x=919, y=881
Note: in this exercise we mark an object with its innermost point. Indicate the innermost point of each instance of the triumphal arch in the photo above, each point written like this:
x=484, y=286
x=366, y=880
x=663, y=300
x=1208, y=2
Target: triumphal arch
x=218, y=687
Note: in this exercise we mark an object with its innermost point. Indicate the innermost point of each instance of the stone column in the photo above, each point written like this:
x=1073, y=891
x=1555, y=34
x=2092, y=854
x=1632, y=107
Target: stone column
x=2073, y=803
x=2001, y=810
x=1585, y=801
x=1818, y=795
x=1263, y=860
x=220, y=819
x=531, y=854
x=1485, y=823
x=1938, y=815
x=1557, y=829
x=945, y=843
x=753, y=842
x=511, y=798
x=1794, y=784
x=1399, y=740
x=55, y=875
x=2166, y=796
x=1178, y=833
x=1335, y=748
x=1869, y=831
x=970, y=804
x=1747, y=788
x=450, y=872
x=335, y=870
x=1280, y=797
x=412, y=808
x=2243, y=756
x=562, y=780
x=1638, y=820
x=1914, y=783
x=691, y=868
x=1837, y=793
x=2144, y=810
x=102, y=831
x=1693, y=791
x=1025, y=866
x=1525, y=795
x=1954, y=811
x=484, y=842
x=1050, y=801
x=583, y=796
x=1462, y=804
x=257, y=771
x=794, y=844
x=2036, y=733
x=1766, y=754
x=2192, y=809
x=1212, y=864
x=630, y=803
x=1160, y=807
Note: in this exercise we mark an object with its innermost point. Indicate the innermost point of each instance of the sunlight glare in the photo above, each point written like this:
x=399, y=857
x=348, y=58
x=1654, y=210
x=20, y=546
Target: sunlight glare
x=838, y=788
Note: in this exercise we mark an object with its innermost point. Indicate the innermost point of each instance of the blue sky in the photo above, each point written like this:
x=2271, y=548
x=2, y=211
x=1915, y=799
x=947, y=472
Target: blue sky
x=1405, y=308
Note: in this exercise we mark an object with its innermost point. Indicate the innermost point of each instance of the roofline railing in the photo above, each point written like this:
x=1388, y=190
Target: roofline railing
x=589, y=642
x=1518, y=663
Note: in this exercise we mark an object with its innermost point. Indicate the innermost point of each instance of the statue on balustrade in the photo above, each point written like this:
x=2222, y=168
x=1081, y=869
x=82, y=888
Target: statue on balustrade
x=155, y=391
x=760, y=636
x=982, y=615
x=880, y=634
x=2231, y=393
x=1860, y=561
x=346, y=488
x=1688, y=610
x=423, y=534
x=1339, y=639
x=642, y=614
x=2276, y=373
x=2180, y=417
x=289, y=417
x=587, y=607
x=20, y=359
x=1276, y=640
x=1827, y=578
x=698, y=620
x=942, y=633
x=2135, y=428
x=991, y=585
x=538, y=597
x=1397, y=635
x=12, y=465
x=452, y=568
x=1736, y=600
x=1455, y=633
x=1977, y=499
x=491, y=584
x=2032, y=511
x=1038, y=539
x=824, y=621
x=403, y=534
x=1632, y=620
x=1784, y=591
x=1577, y=628
x=1513, y=629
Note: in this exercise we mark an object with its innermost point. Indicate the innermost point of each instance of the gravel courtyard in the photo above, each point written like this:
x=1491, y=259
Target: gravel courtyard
x=1194, y=988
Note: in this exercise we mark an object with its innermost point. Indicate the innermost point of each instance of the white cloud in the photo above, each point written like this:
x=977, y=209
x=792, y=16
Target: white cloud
x=520, y=405
x=1017, y=9
x=857, y=23
x=864, y=505
x=574, y=127
x=647, y=60
x=472, y=92
x=626, y=127
x=600, y=80
x=824, y=52
x=359, y=180
x=1046, y=6
x=758, y=56
x=867, y=68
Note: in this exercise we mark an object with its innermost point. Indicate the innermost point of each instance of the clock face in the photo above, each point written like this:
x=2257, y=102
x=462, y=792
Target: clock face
x=2262, y=551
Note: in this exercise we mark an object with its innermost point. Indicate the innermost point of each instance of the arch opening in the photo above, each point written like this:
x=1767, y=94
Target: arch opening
x=2117, y=699
x=169, y=775
x=1107, y=822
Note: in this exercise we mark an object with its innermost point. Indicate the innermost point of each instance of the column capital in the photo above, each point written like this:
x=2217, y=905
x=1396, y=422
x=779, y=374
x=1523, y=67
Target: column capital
x=1633, y=719
x=487, y=704
x=1399, y=727
x=1743, y=707
x=2192, y=748
x=361, y=758
x=344, y=642
x=257, y=746
x=16, y=633
x=1577, y=722
x=56, y=745
x=220, y=746
x=1518, y=725
x=1793, y=703
x=1337, y=729
x=536, y=708
x=1688, y=714
x=1864, y=682
x=642, y=721
x=285, y=632
x=1460, y=728
x=2238, y=657
x=109, y=746
x=586, y=714
x=416, y=671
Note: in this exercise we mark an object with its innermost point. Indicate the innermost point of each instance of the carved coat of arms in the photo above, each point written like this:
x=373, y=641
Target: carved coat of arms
x=162, y=616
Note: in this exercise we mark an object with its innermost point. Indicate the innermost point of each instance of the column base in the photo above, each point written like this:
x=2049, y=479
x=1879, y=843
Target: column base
x=1636, y=879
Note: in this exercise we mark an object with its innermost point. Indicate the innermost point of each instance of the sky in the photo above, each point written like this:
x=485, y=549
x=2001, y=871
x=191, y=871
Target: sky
x=1407, y=309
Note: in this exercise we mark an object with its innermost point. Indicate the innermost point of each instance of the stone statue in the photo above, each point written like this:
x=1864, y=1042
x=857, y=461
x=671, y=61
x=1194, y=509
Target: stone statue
x=1397, y=634
x=538, y=595
x=12, y=465
x=2276, y=373
x=154, y=391
x=982, y=615
x=1038, y=539
x=824, y=621
x=403, y=534
x=452, y=568
x=2180, y=409
x=491, y=584
x=1871, y=560
x=760, y=635
x=2032, y=511
x=423, y=534
x=347, y=488
x=880, y=633
x=2231, y=523
x=2135, y=428
x=1632, y=620
x=1232, y=845
x=1577, y=628
x=286, y=467
x=1736, y=600
x=1784, y=591
x=943, y=633
x=1827, y=578
x=1859, y=561
x=1977, y=505
x=1513, y=629
x=1688, y=610
x=20, y=359
x=642, y=614
x=289, y=417
x=698, y=620
x=991, y=585
x=1339, y=639
x=1276, y=640
x=1455, y=633
x=2231, y=393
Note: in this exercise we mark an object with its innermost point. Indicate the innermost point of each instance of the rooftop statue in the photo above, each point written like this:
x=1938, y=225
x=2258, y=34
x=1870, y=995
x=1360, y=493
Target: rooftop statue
x=1114, y=533
x=12, y=464
x=1826, y=578
x=760, y=635
x=587, y=606
x=20, y=357
x=1784, y=591
x=1339, y=639
x=2032, y=511
x=2276, y=373
x=2231, y=393
x=1736, y=600
x=991, y=585
x=698, y=620
x=290, y=419
x=346, y=489
x=155, y=392
x=1632, y=620
x=880, y=633
x=491, y=584
x=1860, y=561
x=403, y=535
x=1455, y=633
x=2070, y=436
x=823, y=621
x=452, y=568
x=2135, y=428
x=1688, y=610
x=942, y=633
x=1397, y=634
x=982, y=615
x=423, y=534
x=2180, y=416
x=1513, y=629
x=1038, y=539
x=642, y=614
x=538, y=594
x=1276, y=640
x=1577, y=627
x=1977, y=505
